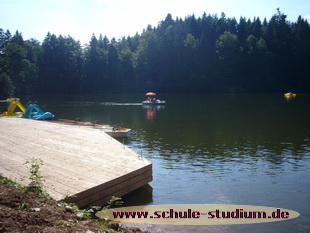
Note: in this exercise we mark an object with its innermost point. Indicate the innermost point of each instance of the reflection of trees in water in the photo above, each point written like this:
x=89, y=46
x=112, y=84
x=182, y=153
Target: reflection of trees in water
x=224, y=154
x=232, y=128
x=206, y=144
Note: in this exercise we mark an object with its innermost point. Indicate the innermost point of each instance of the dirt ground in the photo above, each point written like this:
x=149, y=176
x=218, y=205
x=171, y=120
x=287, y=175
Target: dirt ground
x=22, y=211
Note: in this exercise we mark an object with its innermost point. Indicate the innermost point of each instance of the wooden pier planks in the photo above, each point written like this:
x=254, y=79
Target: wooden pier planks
x=83, y=162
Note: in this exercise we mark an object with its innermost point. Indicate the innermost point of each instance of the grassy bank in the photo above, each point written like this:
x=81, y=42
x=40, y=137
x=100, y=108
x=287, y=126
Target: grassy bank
x=26, y=211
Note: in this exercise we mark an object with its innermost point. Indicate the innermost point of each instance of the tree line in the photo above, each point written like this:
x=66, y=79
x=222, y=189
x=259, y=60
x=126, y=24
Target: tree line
x=204, y=54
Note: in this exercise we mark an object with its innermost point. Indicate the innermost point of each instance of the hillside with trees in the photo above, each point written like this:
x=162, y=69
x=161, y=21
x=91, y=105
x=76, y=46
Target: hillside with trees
x=204, y=54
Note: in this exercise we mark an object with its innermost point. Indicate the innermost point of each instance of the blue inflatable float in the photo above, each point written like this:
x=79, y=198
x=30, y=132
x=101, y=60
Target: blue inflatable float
x=34, y=112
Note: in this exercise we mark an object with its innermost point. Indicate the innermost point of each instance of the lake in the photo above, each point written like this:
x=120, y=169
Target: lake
x=244, y=149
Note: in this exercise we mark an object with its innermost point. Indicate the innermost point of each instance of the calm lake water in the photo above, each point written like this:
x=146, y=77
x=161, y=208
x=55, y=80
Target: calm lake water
x=244, y=149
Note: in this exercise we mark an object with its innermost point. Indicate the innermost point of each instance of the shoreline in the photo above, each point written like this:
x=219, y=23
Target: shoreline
x=25, y=211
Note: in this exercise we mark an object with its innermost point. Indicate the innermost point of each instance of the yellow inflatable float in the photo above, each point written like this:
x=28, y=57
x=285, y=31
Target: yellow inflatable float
x=290, y=95
x=13, y=103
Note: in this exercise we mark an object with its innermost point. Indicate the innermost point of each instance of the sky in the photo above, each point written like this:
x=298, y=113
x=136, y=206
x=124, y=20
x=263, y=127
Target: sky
x=117, y=18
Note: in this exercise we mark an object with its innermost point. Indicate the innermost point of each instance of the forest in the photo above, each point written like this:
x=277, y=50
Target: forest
x=204, y=54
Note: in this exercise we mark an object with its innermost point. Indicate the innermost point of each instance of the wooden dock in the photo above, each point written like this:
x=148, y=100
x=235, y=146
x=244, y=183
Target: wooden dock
x=84, y=163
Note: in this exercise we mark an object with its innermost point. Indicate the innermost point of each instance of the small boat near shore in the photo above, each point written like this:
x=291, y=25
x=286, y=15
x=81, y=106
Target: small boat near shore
x=117, y=133
x=114, y=131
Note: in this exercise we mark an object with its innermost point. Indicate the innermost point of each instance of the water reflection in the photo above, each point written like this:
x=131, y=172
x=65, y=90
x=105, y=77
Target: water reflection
x=208, y=150
x=151, y=111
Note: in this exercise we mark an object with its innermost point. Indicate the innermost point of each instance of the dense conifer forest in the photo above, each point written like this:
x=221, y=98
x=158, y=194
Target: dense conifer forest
x=206, y=54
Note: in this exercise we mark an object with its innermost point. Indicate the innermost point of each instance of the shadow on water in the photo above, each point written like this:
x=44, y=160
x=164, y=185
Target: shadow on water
x=140, y=196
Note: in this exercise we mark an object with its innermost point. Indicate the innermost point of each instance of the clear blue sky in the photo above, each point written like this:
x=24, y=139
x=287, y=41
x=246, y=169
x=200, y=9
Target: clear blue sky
x=117, y=18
